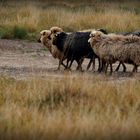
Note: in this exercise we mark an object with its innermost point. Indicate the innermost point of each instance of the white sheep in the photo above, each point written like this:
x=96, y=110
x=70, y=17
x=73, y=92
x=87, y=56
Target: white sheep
x=111, y=48
x=46, y=38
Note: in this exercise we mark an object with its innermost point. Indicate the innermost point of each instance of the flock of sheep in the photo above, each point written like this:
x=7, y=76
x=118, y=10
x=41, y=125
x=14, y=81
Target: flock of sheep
x=93, y=44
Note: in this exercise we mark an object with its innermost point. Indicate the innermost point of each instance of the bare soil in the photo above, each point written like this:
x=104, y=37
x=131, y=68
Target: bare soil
x=24, y=59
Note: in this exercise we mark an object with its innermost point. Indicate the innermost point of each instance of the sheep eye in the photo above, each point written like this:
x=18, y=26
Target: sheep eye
x=92, y=36
x=49, y=37
x=54, y=32
x=44, y=33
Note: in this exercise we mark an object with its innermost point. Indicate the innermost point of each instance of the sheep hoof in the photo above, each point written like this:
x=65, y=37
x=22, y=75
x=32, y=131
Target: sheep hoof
x=81, y=70
x=110, y=73
x=67, y=69
x=124, y=70
x=58, y=69
x=93, y=70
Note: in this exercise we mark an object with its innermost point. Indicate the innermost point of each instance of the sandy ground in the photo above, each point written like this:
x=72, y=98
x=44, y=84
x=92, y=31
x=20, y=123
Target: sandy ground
x=24, y=59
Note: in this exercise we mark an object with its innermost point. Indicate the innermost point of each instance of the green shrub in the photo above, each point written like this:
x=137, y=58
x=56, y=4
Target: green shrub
x=5, y=33
x=20, y=32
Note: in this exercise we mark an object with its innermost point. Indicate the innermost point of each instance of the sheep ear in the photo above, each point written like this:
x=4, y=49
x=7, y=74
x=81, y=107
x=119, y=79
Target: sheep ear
x=98, y=34
x=103, y=31
x=92, y=35
x=54, y=31
x=44, y=33
x=49, y=37
x=89, y=40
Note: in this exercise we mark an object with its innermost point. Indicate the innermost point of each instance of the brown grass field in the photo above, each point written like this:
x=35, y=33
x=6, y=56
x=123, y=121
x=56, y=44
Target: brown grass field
x=78, y=107
x=39, y=103
x=32, y=16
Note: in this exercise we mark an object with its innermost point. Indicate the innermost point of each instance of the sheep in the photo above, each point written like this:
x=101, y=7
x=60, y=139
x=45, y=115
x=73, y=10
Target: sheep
x=93, y=61
x=46, y=40
x=75, y=46
x=112, y=48
x=55, y=30
x=47, y=37
x=136, y=33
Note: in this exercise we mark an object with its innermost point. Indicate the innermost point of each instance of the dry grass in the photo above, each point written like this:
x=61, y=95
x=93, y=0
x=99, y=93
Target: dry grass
x=35, y=16
x=74, y=107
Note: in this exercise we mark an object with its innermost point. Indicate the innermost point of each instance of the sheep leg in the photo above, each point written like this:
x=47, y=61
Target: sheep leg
x=135, y=68
x=67, y=64
x=103, y=66
x=92, y=61
x=111, y=69
x=70, y=64
x=124, y=67
x=93, y=64
x=63, y=65
x=79, y=67
x=106, y=67
x=59, y=65
x=99, y=65
x=118, y=66
x=89, y=64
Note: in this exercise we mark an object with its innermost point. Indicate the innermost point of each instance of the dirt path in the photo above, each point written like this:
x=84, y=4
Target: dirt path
x=23, y=59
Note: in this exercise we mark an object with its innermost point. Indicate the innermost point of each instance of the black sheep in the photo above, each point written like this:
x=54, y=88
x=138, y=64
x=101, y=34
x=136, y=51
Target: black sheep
x=75, y=47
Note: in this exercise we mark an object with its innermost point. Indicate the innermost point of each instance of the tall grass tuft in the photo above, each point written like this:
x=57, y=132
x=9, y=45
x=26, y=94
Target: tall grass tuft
x=74, y=107
x=19, y=32
x=35, y=16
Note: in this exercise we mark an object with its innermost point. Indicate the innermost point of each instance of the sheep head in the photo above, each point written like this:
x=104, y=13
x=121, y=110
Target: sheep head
x=94, y=37
x=56, y=30
x=45, y=38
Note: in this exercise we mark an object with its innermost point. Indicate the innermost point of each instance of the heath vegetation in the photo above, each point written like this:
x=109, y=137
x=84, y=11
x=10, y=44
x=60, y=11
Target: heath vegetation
x=73, y=107
x=33, y=16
